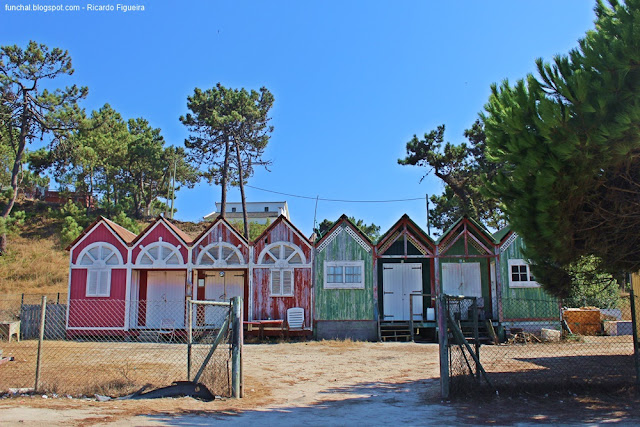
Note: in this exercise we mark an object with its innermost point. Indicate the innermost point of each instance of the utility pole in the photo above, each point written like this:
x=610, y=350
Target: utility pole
x=428, y=225
x=173, y=185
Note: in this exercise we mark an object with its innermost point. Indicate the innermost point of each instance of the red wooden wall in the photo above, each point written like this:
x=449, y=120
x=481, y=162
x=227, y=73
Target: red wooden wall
x=160, y=230
x=220, y=230
x=99, y=234
x=97, y=312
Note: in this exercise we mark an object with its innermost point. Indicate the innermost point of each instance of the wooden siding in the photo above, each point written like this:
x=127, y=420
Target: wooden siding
x=99, y=234
x=281, y=232
x=221, y=231
x=344, y=304
x=459, y=249
x=266, y=306
x=97, y=312
x=160, y=230
x=524, y=303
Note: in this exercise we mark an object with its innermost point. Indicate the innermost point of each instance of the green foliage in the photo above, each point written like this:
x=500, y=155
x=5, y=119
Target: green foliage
x=255, y=229
x=128, y=223
x=372, y=231
x=590, y=286
x=229, y=131
x=13, y=223
x=70, y=231
x=463, y=168
x=568, y=146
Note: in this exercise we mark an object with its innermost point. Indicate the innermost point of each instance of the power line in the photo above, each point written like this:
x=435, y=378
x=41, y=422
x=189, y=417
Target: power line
x=334, y=200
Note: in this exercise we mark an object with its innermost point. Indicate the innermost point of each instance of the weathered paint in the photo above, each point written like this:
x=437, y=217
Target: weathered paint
x=221, y=231
x=266, y=306
x=100, y=233
x=405, y=242
x=97, y=312
x=524, y=303
x=160, y=230
x=344, y=304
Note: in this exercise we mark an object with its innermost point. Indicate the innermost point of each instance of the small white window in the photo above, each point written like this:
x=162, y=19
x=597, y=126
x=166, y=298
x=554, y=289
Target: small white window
x=344, y=274
x=281, y=282
x=520, y=275
x=98, y=282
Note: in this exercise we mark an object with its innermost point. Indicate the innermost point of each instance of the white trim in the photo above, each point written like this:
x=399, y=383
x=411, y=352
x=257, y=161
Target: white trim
x=93, y=328
x=93, y=245
x=138, y=241
x=281, y=294
x=355, y=236
x=280, y=263
x=233, y=230
x=160, y=264
x=99, y=272
x=520, y=284
x=88, y=233
x=509, y=241
x=344, y=284
x=330, y=239
x=220, y=263
x=300, y=236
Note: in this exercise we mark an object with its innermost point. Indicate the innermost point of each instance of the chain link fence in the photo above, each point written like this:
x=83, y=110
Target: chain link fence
x=540, y=346
x=86, y=349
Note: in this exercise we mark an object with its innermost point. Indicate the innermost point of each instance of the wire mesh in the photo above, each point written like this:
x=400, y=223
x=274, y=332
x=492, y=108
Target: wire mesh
x=542, y=346
x=211, y=327
x=87, y=350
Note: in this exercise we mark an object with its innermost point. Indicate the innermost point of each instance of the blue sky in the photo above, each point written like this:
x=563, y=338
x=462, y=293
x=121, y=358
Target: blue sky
x=353, y=81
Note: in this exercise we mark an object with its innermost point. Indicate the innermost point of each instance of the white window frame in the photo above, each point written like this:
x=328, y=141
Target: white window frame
x=97, y=293
x=281, y=271
x=519, y=283
x=344, y=284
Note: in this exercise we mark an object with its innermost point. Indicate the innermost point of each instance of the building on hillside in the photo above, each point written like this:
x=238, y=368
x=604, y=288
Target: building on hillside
x=258, y=212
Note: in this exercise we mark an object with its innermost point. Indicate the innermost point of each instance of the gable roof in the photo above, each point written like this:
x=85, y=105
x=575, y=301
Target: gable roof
x=122, y=233
x=476, y=224
x=405, y=218
x=283, y=218
x=181, y=234
x=344, y=218
x=501, y=234
x=209, y=227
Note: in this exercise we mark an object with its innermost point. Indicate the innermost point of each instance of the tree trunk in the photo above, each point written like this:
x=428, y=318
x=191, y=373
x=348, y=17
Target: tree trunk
x=22, y=142
x=245, y=215
x=223, y=180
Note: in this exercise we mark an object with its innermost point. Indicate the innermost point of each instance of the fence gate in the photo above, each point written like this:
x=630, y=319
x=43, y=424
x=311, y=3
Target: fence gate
x=214, y=344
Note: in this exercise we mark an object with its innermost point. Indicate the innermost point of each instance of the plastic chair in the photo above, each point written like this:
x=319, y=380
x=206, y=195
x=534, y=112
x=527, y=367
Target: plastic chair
x=295, y=318
x=167, y=329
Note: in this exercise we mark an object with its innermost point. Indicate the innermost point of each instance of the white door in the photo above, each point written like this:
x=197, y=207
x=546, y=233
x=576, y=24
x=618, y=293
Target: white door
x=462, y=279
x=165, y=298
x=398, y=282
x=221, y=288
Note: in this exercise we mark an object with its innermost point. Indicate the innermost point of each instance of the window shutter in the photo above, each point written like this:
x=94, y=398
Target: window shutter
x=287, y=282
x=104, y=285
x=275, y=282
x=92, y=283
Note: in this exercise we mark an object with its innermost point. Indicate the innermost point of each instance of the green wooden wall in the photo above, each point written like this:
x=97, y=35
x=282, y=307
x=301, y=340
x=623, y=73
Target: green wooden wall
x=344, y=304
x=458, y=249
x=523, y=303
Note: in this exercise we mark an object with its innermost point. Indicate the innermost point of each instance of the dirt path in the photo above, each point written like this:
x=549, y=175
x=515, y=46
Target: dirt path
x=328, y=383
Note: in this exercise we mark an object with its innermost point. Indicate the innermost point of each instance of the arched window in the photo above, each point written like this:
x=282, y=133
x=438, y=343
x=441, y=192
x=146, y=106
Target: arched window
x=220, y=254
x=282, y=258
x=99, y=258
x=160, y=254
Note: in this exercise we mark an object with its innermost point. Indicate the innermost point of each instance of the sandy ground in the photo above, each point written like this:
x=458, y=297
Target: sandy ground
x=329, y=383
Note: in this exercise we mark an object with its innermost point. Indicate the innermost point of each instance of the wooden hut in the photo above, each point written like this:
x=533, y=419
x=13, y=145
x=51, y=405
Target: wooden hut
x=523, y=302
x=99, y=279
x=282, y=274
x=344, y=284
x=467, y=254
x=220, y=258
x=404, y=264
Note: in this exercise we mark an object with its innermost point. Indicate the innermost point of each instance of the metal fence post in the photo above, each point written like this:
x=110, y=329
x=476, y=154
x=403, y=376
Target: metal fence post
x=43, y=310
x=476, y=335
x=189, y=336
x=442, y=342
x=635, y=290
x=236, y=314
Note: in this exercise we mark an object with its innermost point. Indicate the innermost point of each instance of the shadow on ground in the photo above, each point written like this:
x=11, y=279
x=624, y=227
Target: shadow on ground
x=417, y=403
